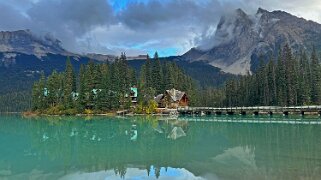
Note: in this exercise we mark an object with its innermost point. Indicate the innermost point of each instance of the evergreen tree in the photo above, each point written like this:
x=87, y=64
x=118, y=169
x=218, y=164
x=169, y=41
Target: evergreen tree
x=41, y=93
x=156, y=75
x=315, y=78
x=147, y=75
x=103, y=96
x=36, y=91
x=53, y=87
x=69, y=85
x=81, y=102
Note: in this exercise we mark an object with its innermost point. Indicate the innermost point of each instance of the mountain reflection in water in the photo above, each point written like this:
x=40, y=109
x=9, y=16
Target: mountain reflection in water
x=146, y=147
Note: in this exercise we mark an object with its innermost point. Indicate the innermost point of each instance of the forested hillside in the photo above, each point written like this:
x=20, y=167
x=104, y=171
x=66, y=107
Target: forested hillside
x=19, y=74
x=290, y=80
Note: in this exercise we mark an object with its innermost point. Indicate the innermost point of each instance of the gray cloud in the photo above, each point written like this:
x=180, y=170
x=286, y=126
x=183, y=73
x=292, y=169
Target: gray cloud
x=93, y=25
x=11, y=18
x=184, y=23
x=156, y=14
x=70, y=19
x=67, y=20
x=78, y=16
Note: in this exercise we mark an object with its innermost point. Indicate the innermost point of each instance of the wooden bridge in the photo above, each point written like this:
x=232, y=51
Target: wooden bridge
x=251, y=120
x=268, y=110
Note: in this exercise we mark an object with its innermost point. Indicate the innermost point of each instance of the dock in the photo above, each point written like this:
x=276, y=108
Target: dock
x=257, y=110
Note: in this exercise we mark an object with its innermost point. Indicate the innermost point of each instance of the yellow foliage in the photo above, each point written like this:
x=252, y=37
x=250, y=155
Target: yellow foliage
x=152, y=106
x=54, y=110
x=88, y=111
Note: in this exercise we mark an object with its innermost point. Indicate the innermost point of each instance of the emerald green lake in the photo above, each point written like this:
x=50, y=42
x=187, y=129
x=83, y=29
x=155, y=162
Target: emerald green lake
x=149, y=148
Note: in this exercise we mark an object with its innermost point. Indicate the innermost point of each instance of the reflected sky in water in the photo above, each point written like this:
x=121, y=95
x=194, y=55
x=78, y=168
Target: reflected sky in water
x=158, y=148
x=134, y=173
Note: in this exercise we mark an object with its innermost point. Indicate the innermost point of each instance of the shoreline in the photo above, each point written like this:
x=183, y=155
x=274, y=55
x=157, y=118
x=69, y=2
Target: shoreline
x=34, y=114
x=115, y=114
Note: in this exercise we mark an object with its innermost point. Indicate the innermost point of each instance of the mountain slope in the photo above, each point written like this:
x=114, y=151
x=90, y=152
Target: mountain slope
x=240, y=39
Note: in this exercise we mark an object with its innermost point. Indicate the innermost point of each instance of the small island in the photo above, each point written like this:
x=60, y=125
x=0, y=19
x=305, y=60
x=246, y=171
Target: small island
x=113, y=88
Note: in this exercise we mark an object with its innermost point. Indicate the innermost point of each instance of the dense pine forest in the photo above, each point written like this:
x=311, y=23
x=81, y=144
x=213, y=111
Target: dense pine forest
x=101, y=88
x=15, y=89
x=287, y=81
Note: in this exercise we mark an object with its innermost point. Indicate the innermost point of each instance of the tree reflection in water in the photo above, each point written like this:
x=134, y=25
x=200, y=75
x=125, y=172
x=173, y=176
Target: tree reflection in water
x=53, y=145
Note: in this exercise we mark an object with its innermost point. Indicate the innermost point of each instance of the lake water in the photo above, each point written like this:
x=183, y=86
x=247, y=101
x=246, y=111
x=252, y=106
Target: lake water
x=82, y=148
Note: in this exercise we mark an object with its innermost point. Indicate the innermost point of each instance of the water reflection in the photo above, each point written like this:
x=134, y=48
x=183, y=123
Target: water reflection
x=134, y=173
x=78, y=147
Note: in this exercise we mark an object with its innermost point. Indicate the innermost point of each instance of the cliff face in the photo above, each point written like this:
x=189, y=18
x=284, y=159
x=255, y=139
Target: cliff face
x=241, y=38
x=23, y=41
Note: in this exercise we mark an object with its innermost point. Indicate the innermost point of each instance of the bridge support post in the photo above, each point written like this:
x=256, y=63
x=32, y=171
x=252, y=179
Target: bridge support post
x=242, y=113
x=285, y=113
x=302, y=113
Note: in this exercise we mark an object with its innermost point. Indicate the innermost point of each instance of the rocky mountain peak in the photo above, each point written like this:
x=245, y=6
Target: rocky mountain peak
x=240, y=13
x=261, y=11
x=24, y=41
x=240, y=39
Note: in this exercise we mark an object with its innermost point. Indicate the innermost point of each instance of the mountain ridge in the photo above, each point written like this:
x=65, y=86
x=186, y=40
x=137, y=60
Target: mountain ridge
x=23, y=41
x=15, y=43
x=240, y=39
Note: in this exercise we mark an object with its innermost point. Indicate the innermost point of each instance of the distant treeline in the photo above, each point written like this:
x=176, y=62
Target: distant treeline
x=15, y=101
x=106, y=87
x=287, y=81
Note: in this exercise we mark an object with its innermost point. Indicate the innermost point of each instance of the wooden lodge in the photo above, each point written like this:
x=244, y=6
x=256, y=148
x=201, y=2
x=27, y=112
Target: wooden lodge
x=172, y=99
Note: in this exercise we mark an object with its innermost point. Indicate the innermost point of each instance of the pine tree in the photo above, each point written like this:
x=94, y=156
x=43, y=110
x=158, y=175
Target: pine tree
x=148, y=81
x=289, y=75
x=104, y=86
x=157, y=79
x=281, y=81
x=36, y=91
x=315, y=78
x=81, y=102
x=53, y=87
x=89, y=85
x=42, y=92
x=69, y=85
x=303, y=96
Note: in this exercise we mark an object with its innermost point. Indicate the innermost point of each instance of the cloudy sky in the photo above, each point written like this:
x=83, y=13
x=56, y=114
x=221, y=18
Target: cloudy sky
x=135, y=26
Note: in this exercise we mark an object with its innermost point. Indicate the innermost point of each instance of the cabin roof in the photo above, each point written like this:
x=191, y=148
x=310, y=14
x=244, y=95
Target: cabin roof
x=175, y=94
x=159, y=97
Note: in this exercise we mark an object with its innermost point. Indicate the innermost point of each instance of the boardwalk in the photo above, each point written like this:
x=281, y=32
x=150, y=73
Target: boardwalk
x=270, y=110
x=249, y=120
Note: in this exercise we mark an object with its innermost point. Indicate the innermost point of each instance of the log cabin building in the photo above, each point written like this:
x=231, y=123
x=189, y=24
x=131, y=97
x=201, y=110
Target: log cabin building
x=172, y=99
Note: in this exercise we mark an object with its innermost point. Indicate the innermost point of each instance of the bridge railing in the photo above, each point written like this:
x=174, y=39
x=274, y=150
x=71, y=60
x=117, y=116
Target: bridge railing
x=258, y=108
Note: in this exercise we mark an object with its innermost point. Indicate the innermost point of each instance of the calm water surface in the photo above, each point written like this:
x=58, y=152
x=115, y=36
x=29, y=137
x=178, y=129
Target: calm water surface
x=149, y=148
